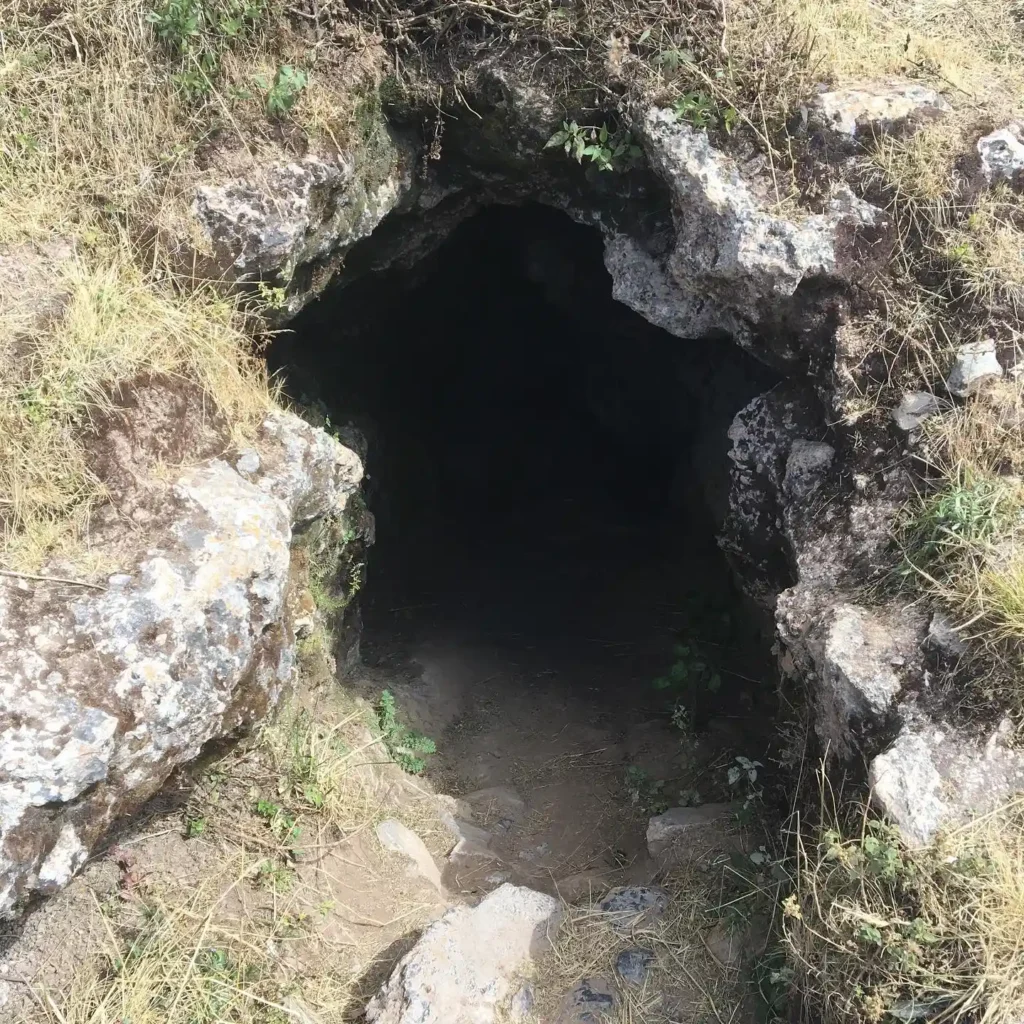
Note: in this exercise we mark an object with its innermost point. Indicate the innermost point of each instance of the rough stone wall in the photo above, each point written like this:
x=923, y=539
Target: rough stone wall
x=106, y=690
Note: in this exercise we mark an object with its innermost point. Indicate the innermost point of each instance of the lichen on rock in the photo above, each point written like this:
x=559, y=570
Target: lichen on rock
x=105, y=691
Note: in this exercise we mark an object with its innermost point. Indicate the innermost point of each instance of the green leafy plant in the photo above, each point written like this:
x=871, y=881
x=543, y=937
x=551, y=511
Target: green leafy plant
x=700, y=110
x=283, y=92
x=645, y=792
x=199, y=32
x=195, y=827
x=690, y=667
x=274, y=876
x=407, y=748
x=742, y=777
x=672, y=58
x=274, y=298
x=282, y=823
x=607, y=149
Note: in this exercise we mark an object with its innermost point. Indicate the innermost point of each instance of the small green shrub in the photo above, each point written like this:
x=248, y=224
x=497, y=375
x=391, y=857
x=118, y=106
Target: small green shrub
x=199, y=32
x=645, y=793
x=408, y=749
x=283, y=92
x=607, y=149
x=700, y=110
x=281, y=822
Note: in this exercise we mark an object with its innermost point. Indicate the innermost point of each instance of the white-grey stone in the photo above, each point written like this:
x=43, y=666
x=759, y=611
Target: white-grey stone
x=874, y=108
x=248, y=462
x=806, y=467
x=398, y=838
x=730, y=261
x=914, y=408
x=975, y=363
x=106, y=692
x=857, y=683
x=522, y=1003
x=284, y=214
x=942, y=638
x=632, y=905
x=933, y=777
x=683, y=830
x=1002, y=154
x=465, y=966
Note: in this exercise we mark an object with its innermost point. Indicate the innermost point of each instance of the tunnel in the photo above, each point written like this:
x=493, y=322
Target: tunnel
x=547, y=472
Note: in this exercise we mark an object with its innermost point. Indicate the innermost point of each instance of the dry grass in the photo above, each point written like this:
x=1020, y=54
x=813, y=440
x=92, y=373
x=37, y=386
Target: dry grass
x=192, y=958
x=876, y=929
x=685, y=981
x=98, y=147
x=293, y=909
x=117, y=322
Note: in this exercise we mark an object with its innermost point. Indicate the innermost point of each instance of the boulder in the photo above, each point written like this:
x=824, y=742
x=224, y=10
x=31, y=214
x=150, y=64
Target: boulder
x=914, y=408
x=685, y=833
x=464, y=966
x=397, y=838
x=281, y=215
x=975, y=363
x=106, y=691
x=806, y=467
x=731, y=262
x=856, y=658
x=1002, y=154
x=933, y=776
x=875, y=108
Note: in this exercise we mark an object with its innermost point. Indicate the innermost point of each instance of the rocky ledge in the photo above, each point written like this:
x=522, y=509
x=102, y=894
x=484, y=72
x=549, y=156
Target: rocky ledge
x=106, y=689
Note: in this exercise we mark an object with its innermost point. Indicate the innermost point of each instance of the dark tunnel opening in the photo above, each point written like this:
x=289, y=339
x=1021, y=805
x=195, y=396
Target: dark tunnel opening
x=547, y=469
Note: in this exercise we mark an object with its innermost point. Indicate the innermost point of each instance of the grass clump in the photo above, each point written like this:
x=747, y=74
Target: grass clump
x=117, y=323
x=878, y=930
x=188, y=961
x=408, y=749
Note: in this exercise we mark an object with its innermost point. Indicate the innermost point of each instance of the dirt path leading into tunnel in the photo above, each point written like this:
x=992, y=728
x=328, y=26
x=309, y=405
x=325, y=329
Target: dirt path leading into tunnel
x=560, y=741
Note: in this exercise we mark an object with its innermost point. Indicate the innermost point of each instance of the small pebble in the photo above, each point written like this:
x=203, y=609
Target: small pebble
x=632, y=965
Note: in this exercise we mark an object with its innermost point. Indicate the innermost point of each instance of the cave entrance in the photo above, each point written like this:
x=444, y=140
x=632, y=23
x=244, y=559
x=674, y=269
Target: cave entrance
x=547, y=471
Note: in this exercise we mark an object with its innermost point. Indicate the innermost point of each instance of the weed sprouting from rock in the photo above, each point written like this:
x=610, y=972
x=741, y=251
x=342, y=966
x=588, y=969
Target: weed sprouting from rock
x=607, y=149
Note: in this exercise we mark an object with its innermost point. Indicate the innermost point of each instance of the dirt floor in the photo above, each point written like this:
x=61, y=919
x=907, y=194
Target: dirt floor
x=554, y=748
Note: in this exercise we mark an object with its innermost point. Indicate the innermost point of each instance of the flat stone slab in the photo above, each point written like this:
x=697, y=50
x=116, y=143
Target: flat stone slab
x=466, y=965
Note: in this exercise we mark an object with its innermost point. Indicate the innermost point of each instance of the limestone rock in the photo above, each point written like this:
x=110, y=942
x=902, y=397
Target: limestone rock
x=753, y=534
x=397, y=838
x=1002, y=154
x=685, y=832
x=875, y=108
x=522, y=1003
x=464, y=966
x=942, y=638
x=105, y=692
x=857, y=683
x=279, y=216
x=975, y=363
x=496, y=804
x=933, y=777
x=632, y=905
x=728, y=248
x=806, y=468
x=914, y=408
x=590, y=1002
